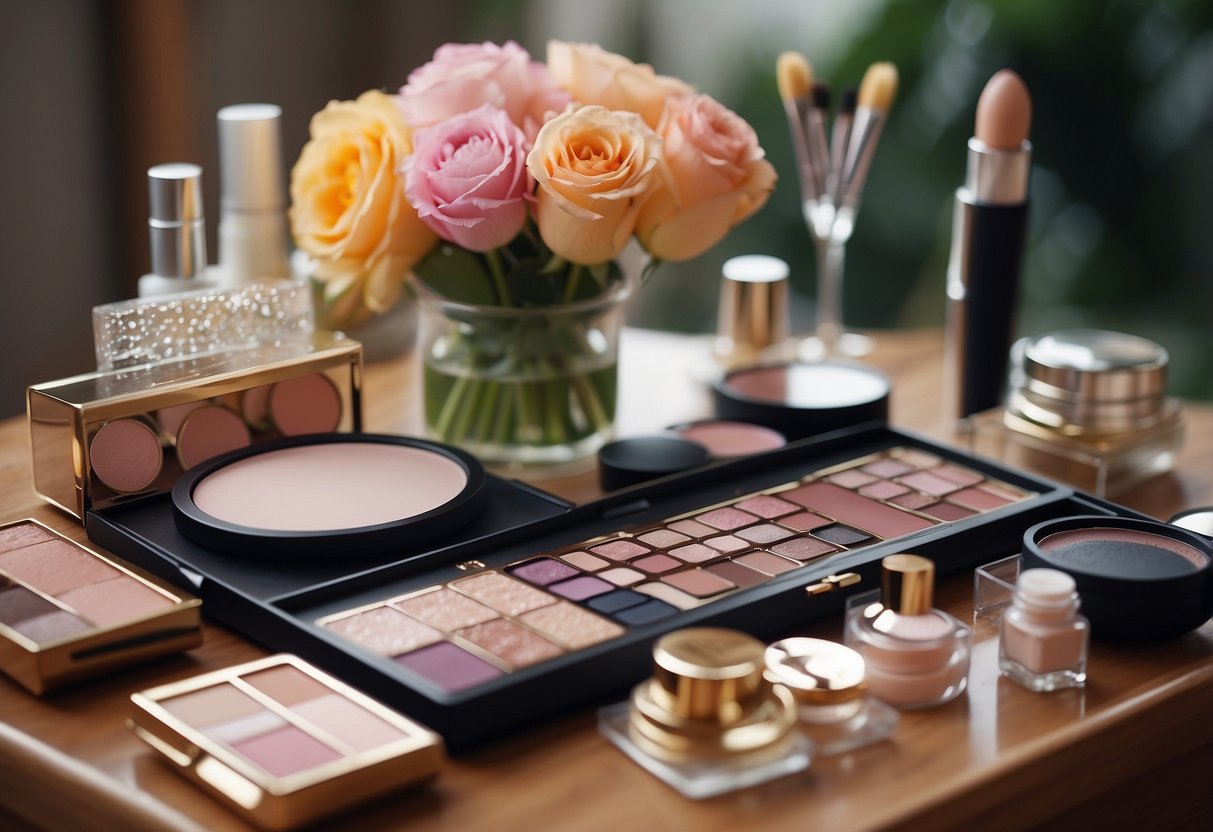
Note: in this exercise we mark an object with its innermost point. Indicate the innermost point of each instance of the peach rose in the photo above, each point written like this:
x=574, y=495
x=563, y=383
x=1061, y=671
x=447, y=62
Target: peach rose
x=348, y=207
x=721, y=177
x=595, y=76
x=595, y=170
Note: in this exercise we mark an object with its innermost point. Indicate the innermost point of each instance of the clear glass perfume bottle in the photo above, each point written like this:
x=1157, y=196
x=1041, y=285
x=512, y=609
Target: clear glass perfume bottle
x=1042, y=637
x=917, y=656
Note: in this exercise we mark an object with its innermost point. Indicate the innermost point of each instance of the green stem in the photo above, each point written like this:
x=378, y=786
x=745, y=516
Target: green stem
x=488, y=410
x=591, y=402
x=570, y=288
x=463, y=421
x=497, y=270
x=450, y=407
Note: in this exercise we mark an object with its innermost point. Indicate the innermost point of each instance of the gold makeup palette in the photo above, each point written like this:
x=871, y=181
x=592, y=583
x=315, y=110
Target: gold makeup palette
x=516, y=617
x=103, y=438
x=281, y=742
x=68, y=612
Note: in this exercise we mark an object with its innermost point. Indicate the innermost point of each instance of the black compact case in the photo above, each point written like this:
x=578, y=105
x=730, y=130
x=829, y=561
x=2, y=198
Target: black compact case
x=278, y=604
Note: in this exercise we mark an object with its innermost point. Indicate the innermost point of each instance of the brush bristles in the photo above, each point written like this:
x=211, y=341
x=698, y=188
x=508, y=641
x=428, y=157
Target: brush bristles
x=821, y=96
x=794, y=76
x=879, y=87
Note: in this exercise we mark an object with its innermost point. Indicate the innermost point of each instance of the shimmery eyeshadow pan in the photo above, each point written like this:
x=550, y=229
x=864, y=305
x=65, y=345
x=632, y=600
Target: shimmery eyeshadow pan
x=542, y=571
x=803, y=548
x=763, y=533
x=570, y=625
x=502, y=593
x=852, y=478
x=445, y=609
x=693, y=528
x=767, y=506
x=586, y=561
x=619, y=549
x=842, y=535
x=385, y=630
x=663, y=538
x=726, y=543
x=727, y=519
x=513, y=644
x=580, y=588
x=693, y=553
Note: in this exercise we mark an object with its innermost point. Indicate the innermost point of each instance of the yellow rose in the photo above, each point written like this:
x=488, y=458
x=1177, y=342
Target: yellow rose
x=595, y=169
x=720, y=178
x=348, y=207
x=595, y=76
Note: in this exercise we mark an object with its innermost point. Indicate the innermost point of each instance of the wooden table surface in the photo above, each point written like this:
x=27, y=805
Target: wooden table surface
x=1135, y=748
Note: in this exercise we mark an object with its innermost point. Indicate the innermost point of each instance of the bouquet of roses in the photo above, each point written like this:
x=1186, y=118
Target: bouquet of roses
x=499, y=181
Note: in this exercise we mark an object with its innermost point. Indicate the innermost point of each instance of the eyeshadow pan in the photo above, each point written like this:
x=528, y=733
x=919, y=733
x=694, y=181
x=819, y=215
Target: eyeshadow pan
x=647, y=613
x=287, y=751
x=669, y=594
x=692, y=528
x=449, y=667
x=55, y=566
x=445, y=609
x=998, y=491
x=384, y=630
x=287, y=685
x=580, y=588
x=619, y=549
x=727, y=543
x=663, y=538
x=888, y=468
x=22, y=534
x=803, y=548
x=928, y=483
x=699, y=582
x=694, y=553
x=622, y=576
x=656, y=564
x=849, y=507
x=763, y=534
x=726, y=519
x=883, y=490
x=978, y=498
x=913, y=501
x=738, y=573
x=766, y=563
x=947, y=511
x=212, y=706
x=917, y=458
x=542, y=571
x=244, y=727
x=842, y=535
x=125, y=454
x=17, y=604
x=503, y=593
x=114, y=601
x=51, y=627
x=515, y=645
x=805, y=521
x=766, y=506
x=209, y=431
x=852, y=478
x=615, y=601
x=570, y=625
x=305, y=404
x=957, y=475
x=586, y=561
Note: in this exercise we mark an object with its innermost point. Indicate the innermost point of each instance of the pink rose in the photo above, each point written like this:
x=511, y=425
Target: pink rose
x=720, y=175
x=595, y=169
x=467, y=178
x=462, y=76
x=595, y=76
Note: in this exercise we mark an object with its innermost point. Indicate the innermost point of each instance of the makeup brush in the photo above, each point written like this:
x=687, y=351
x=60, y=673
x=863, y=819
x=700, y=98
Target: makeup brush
x=839, y=140
x=819, y=146
x=876, y=94
x=794, y=77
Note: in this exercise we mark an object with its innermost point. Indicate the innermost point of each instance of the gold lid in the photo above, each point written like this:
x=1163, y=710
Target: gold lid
x=753, y=312
x=907, y=584
x=816, y=671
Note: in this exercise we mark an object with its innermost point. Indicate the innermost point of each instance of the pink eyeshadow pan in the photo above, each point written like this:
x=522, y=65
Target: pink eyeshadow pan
x=586, y=561
x=883, y=490
x=888, y=468
x=571, y=626
x=767, y=506
x=804, y=522
x=727, y=519
x=957, y=475
x=385, y=631
x=978, y=498
x=55, y=566
x=803, y=548
x=208, y=432
x=766, y=563
x=1007, y=494
x=928, y=483
x=24, y=534
x=305, y=404
x=947, y=511
x=913, y=500
x=354, y=725
x=445, y=609
x=727, y=543
x=286, y=751
x=695, y=553
x=851, y=479
x=700, y=583
x=503, y=594
x=849, y=507
x=622, y=576
x=765, y=533
x=115, y=601
x=691, y=528
x=657, y=564
x=741, y=575
x=917, y=459
x=125, y=454
x=516, y=646
x=619, y=549
x=663, y=538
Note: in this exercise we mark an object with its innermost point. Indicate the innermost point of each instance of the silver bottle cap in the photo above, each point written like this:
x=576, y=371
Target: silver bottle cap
x=176, y=220
x=250, y=158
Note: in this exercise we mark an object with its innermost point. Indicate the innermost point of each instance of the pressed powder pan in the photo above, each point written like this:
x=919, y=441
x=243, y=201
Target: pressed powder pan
x=328, y=495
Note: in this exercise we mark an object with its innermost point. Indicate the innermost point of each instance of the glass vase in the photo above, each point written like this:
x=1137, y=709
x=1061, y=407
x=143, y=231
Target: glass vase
x=521, y=386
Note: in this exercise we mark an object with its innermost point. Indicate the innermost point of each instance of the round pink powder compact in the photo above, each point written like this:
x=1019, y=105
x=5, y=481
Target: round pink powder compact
x=330, y=496
x=125, y=454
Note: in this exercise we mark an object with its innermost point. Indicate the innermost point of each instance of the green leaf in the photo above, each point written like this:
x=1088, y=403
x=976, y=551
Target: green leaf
x=457, y=274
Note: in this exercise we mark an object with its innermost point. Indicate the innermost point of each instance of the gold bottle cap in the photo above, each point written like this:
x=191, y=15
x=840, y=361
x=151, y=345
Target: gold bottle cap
x=753, y=312
x=816, y=671
x=907, y=584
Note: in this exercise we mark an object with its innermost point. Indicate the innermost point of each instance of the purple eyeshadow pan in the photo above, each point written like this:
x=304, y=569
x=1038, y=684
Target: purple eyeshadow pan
x=542, y=571
x=578, y=589
x=842, y=535
x=727, y=519
x=449, y=667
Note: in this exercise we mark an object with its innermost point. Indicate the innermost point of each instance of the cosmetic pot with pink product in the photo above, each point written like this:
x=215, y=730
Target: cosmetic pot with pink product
x=917, y=656
x=1042, y=637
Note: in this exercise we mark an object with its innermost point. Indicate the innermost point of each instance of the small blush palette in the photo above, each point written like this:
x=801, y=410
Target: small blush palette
x=68, y=613
x=489, y=636
x=281, y=742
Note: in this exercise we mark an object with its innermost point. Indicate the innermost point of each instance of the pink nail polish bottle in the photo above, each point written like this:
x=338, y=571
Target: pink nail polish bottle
x=1042, y=637
x=917, y=656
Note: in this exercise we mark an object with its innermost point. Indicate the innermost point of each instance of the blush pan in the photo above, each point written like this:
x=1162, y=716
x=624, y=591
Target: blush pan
x=302, y=498
x=726, y=440
x=1139, y=580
